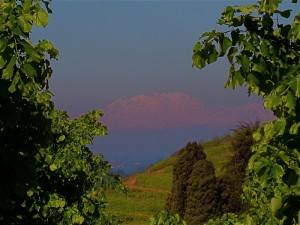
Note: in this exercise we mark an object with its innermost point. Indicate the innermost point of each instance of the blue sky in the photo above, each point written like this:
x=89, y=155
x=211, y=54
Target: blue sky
x=119, y=49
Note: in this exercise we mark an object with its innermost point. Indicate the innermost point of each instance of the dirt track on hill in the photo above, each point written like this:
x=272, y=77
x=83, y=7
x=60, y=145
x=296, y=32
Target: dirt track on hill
x=131, y=182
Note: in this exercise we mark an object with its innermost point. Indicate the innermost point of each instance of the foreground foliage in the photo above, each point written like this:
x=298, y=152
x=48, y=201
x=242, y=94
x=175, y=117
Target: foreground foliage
x=264, y=54
x=166, y=218
x=48, y=174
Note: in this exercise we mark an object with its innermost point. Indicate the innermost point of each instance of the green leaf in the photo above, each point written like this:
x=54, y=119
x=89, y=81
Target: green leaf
x=257, y=135
x=237, y=78
x=27, y=4
x=295, y=85
x=29, y=70
x=295, y=29
x=290, y=100
x=231, y=53
x=15, y=81
x=269, y=6
x=48, y=158
x=211, y=34
x=259, y=67
x=47, y=46
x=265, y=49
x=257, y=166
x=2, y=62
x=77, y=219
x=279, y=126
x=276, y=204
x=61, y=138
x=253, y=81
x=245, y=9
x=53, y=167
x=277, y=171
x=213, y=56
x=30, y=193
x=294, y=128
x=228, y=13
x=249, y=46
x=245, y=63
x=198, y=61
x=8, y=71
x=32, y=51
x=40, y=17
x=268, y=130
x=265, y=177
x=24, y=24
x=225, y=44
x=272, y=101
x=284, y=156
x=3, y=44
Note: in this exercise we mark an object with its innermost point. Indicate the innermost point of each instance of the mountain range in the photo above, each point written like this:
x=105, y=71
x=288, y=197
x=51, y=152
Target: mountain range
x=161, y=111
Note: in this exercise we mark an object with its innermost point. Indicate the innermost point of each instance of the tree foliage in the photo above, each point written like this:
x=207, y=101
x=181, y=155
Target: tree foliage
x=230, y=183
x=202, y=199
x=48, y=174
x=183, y=167
x=264, y=55
x=166, y=218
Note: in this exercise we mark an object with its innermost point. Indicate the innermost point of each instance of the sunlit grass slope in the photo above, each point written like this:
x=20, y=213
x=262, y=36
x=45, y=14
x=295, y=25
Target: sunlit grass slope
x=148, y=193
x=137, y=206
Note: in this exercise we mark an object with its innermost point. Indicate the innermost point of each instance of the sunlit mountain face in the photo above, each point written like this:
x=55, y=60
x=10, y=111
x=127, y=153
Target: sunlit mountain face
x=176, y=110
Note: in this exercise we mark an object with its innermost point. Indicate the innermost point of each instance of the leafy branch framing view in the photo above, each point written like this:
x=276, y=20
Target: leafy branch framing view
x=264, y=55
x=48, y=174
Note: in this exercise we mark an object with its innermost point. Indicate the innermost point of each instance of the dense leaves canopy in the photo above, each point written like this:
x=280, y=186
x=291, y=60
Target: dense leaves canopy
x=48, y=174
x=264, y=55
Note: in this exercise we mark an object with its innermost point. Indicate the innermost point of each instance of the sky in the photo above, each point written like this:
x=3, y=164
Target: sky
x=132, y=59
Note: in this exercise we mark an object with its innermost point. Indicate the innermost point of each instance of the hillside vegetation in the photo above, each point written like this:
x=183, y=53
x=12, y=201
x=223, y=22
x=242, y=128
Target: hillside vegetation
x=148, y=191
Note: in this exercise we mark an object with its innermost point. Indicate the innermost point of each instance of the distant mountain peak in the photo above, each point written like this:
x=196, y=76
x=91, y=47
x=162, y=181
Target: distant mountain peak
x=176, y=110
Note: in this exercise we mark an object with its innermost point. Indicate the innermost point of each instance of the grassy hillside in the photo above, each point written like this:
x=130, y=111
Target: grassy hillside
x=147, y=192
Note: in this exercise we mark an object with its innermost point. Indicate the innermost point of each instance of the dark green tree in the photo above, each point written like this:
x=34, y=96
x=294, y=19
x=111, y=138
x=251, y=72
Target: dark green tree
x=202, y=199
x=48, y=175
x=183, y=168
x=230, y=183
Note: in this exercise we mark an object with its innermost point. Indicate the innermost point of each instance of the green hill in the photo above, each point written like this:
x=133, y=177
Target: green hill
x=147, y=192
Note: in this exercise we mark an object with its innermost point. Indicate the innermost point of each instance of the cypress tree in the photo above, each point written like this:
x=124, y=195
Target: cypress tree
x=183, y=167
x=202, y=198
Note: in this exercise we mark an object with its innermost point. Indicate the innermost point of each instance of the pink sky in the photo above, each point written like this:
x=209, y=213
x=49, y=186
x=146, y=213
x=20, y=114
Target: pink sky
x=176, y=110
